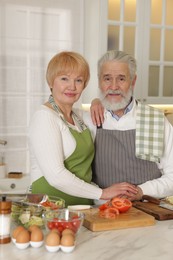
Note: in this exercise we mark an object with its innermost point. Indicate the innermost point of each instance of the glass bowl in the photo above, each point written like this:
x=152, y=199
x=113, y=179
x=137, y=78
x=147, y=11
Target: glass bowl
x=63, y=219
x=53, y=203
x=27, y=216
x=25, y=213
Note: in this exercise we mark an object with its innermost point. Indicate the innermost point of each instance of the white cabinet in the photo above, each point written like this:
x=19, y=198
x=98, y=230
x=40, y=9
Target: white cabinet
x=145, y=29
x=14, y=185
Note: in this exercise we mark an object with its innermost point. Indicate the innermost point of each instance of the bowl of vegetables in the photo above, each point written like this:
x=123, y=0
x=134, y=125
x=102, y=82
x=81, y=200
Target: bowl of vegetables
x=26, y=213
x=63, y=219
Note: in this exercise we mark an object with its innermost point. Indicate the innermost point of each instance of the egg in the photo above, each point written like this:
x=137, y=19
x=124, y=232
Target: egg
x=67, y=240
x=56, y=231
x=32, y=227
x=37, y=235
x=68, y=231
x=52, y=239
x=16, y=231
x=23, y=236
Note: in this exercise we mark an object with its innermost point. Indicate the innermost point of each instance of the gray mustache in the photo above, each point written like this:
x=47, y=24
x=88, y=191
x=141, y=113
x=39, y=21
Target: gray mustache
x=117, y=92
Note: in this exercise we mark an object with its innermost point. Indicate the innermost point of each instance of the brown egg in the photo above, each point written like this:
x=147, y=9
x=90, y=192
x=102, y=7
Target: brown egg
x=32, y=227
x=68, y=231
x=37, y=235
x=56, y=231
x=52, y=239
x=67, y=240
x=23, y=236
x=16, y=231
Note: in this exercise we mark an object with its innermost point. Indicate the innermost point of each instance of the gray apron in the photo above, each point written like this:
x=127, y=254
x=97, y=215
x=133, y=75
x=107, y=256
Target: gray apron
x=115, y=160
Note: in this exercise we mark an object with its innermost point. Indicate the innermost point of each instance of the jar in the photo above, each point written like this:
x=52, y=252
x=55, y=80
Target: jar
x=5, y=220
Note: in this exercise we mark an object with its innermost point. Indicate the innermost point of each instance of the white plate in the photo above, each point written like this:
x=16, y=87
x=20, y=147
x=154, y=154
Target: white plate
x=79, y=207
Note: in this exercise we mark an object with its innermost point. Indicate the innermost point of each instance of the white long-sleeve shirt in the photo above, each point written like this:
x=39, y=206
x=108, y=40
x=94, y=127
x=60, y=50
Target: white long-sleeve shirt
x=162, y=186
x=50, y=144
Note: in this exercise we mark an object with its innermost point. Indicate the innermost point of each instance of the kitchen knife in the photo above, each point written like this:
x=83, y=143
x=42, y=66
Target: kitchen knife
x=160, y=203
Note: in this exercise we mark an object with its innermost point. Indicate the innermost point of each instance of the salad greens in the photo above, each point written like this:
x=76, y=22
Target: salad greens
x=27, y=215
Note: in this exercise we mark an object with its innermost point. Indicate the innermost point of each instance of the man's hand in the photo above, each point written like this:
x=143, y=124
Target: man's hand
x=97, y=112
x=123, y=189
x=137, y=196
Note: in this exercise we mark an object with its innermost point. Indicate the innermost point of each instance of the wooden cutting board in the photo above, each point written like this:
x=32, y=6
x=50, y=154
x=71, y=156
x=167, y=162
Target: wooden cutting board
x=154, y=210
x=129, y=219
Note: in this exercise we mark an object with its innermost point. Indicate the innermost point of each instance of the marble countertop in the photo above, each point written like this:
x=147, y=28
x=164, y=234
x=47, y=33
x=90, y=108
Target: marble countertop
x=149, y=243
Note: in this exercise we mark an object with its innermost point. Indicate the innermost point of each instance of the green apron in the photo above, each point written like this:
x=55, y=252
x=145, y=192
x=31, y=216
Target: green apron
x=79, y=163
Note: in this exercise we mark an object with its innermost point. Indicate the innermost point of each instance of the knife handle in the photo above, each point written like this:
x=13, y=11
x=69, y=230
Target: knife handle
x=151, y=199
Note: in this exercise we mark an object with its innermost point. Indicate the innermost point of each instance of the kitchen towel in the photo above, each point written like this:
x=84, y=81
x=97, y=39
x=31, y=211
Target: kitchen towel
x=149, y=133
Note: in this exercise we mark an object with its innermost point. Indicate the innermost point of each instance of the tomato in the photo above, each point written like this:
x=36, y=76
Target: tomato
x=104, y=206
x=76, y=223
x=121, y=204
x=50, y=225
x=49, y=204
x=56, y=224
x=110, y=212
x=60, y=229
x=68, y=225
x=113, y=207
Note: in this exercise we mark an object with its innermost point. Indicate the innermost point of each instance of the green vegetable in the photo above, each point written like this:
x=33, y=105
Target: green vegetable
x=27, y=216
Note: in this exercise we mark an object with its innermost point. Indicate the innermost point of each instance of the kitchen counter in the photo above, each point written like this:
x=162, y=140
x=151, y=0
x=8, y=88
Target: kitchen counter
x=152, y=242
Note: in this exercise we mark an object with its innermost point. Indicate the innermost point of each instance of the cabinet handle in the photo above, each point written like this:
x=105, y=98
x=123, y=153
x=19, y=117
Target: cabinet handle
x=13, y=186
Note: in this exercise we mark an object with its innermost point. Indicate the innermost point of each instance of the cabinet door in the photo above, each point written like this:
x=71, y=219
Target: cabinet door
x=145, y=29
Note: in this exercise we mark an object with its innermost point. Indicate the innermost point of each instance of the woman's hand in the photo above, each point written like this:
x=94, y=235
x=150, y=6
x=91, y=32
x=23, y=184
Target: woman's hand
x=123, y=189
x=97, y=112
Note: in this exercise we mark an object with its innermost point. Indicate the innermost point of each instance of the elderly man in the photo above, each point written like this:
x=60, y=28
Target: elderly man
x=134, y=143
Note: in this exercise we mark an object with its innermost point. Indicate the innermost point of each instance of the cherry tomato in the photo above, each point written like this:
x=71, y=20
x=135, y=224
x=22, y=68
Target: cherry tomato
x=75, y=223
x=68, y=225
x=50, y=225
x=56, y=224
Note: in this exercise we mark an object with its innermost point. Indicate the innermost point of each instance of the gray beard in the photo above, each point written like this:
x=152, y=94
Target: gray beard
x=119, y=105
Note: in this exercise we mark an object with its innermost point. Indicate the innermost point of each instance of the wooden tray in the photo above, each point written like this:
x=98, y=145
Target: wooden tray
x=132, y=218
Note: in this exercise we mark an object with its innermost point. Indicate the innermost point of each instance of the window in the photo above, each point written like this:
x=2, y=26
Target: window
x=31, y=32
x=145, y=29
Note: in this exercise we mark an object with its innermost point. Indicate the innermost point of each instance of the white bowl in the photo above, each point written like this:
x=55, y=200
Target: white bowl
x=52, y=249
x=67, y=249
x=36, y=244
x=22, y=245
x=13, y=240
x=79, y=207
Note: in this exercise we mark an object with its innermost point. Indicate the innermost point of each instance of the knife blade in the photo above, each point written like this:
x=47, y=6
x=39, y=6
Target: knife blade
x=158, y=202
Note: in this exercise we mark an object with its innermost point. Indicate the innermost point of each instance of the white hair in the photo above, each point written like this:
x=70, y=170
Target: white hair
x=120, y=56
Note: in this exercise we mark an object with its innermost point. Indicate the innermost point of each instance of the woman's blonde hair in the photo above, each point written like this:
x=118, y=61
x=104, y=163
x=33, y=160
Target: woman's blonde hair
x=67, y=62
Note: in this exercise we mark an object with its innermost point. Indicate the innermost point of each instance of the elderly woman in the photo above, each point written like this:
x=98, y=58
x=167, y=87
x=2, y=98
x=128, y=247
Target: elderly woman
x=61, y=147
